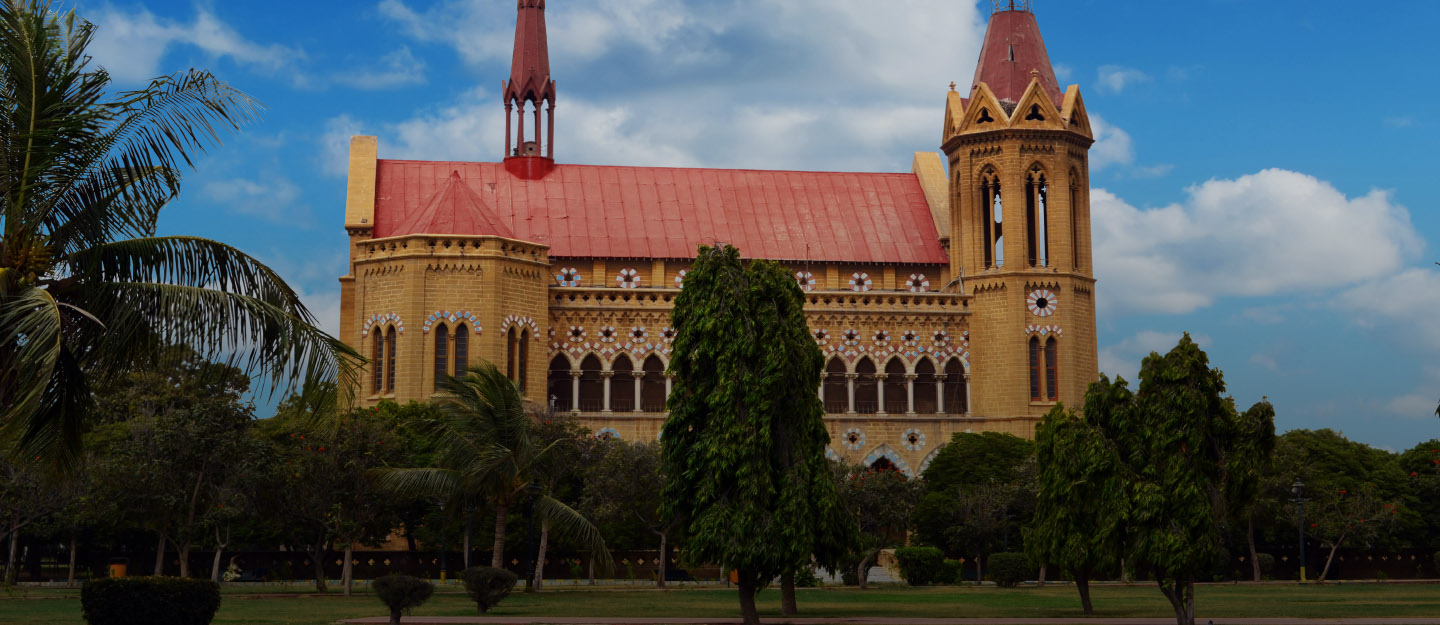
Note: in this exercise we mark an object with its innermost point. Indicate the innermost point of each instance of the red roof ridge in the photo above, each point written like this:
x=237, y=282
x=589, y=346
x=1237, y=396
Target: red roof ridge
x=667, y=167
x=455, y=208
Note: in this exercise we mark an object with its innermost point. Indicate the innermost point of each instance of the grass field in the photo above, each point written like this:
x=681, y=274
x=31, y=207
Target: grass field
x=62, y=607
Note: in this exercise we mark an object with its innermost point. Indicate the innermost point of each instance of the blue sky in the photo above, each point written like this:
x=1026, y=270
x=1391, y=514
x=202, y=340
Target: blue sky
x=1261, y=176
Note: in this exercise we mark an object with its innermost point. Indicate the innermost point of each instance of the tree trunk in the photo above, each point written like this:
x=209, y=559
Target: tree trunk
x=664, y=559
x=347, y=570
x=1182, y=599
x=747, y=598
x=863, y=570
x=394, y=616
x=317, y=555
x=160, y=556
x=469, y=523
x=1250, y=540
x=1331, y=558
x=787, y=593
x=1082, y=583
x=70, y=572
x=497, y=553
x=184, y=550
x=979, y=573
x=215, y=565
x=1041, y=582
x=540, y=557
x=592, y=569
x=12, y=572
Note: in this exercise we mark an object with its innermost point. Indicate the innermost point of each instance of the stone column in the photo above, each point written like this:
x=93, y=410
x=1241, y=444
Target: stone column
x=639, y=382
x=968, y=394
x=880, y=393
x=940, y=393
x=605, y=406
x=575, y=376
x=910, y=393
x=850, y=388
x=823, y=375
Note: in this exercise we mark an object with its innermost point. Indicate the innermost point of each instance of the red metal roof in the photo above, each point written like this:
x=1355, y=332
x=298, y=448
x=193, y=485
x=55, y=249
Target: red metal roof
x=659, y=212
x=455, y=209
x=1012, y=48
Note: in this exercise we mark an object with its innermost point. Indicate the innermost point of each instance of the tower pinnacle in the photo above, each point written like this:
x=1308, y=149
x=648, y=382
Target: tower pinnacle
x=1013, y=49
x=529, y=83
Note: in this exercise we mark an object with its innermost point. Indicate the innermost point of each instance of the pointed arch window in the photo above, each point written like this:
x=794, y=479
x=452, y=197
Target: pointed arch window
x=836, y=387
x=378, y=363
x=1074, y=221
x=897, y=396
x=390, y=360
x=1052, y=357
x=462, y=349
x=592, y=385
x=442, y=354
x=511, y=342
x=1037, y=219
x=522, y=361
x=992, y=217
x=1035, y=369
x=867, y=395
x=622, y=384
x=926, y=393
x=956, y=391
x=652, y=386
x=561, y=387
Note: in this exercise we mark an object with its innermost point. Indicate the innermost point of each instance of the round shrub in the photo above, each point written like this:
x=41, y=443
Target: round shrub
x=149, y=601
x=1007, y=570
x=920, y=566
x=402, y=593
x=487, y=586
x=1267, y=563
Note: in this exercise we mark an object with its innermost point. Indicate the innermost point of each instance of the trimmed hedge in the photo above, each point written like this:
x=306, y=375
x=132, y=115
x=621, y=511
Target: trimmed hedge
x=920, y=566
x=401, y=593
x=149, y=601
x=1007, y=570
x=488, y=586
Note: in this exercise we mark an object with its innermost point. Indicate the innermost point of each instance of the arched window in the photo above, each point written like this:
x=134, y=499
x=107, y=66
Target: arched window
x=1035, y=369
x=897, y=396
x=522, y=360
x=1074, y=221
x=559, y=386
x=926, y=398
x=592, y=386
x=956, y=391
x=442, y=354
x=837, y=387
x=1037, y=222
x=511, y=342
x=1052, y=357
x=652, y=386
x=390, y=360
x=867, y=395
x=992, y=217
x=622, y=384
x=378, y=363
x=462, y=350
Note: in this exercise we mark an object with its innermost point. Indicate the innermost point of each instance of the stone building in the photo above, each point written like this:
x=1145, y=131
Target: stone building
x=956, y=297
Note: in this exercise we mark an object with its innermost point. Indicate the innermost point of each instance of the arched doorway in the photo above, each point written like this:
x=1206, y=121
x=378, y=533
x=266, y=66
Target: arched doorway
x=652, y=386
x=926, y=398
x=592, y=386
x=622, y=385
x=897, y=397
x=956, y=401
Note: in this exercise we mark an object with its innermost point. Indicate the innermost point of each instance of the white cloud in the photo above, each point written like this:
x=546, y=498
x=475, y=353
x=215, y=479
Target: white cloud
x=1421, y=403
x=1123, y=358
x=273, y=199
x=1275, y=232
x=1112, y=145
x=1114, y=78
x=335, y=144
x=131, y=43
x=397, y=69
x=1063, y=72
x=1401, y=306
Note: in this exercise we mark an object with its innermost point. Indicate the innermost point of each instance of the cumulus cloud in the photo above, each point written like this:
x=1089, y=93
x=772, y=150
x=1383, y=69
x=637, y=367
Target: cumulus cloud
x=272, y=199
x=131, y=43
x=1114, y=78
x=1400, y=306
x=396, y=69
x=1123, y=358
x=1275, y=232
x=1112, y=147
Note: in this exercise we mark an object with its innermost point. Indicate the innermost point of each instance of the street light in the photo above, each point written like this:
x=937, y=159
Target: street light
x=1298, y=489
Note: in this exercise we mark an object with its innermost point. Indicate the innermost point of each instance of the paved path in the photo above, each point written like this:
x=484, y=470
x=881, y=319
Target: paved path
x=557, y=620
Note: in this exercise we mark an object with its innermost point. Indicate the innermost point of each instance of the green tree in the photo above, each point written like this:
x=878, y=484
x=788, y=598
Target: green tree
x=1357, y=514
x=486, y=445
x=881, y=501
x=979, y=491
x=1249, y=462
x=1080, y=508
x=743, y=447
x=1421, y=465
x=624, y=486
x=26, y=496
x=87, y=289
x=1175, y=438
x=559, y=474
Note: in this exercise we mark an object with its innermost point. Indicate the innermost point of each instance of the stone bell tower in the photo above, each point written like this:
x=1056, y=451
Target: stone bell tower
x=1017, y=149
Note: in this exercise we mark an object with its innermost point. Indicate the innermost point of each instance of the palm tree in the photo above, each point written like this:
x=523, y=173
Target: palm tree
x=87, y=290
x=486, y=449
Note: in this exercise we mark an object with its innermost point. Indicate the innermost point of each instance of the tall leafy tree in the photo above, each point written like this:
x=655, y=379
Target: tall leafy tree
x=881, y=501
x=1080, y=504
x=979, y=490
x=1249, y=462
x=624, y=487
x=87, y=289
x=486, y=445
x=743, y=447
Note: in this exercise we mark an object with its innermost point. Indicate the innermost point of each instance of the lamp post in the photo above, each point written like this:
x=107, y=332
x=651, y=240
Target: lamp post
x=1298, y=489
x=532, y=489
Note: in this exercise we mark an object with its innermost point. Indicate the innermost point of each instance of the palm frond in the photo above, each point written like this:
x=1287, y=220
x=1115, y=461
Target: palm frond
x=191, y=261
x=429, y=482
x=565, y=521
x=40, y=377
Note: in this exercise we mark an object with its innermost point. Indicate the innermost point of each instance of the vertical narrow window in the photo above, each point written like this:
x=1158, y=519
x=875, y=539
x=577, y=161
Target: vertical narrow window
x=390, y=360
x=1042, y=205
x=1074, y=223
x=1032, y=219
x=1052, y=392
x=510, y=341
x=378, y=363
x=562, y=397
x=442, y=354
x=986, y=218
x=462, y=350
x=837, y=387
x=1035, y=369
x=622, y=384
x=955, y=399
x=522, y=359
x=998, y=209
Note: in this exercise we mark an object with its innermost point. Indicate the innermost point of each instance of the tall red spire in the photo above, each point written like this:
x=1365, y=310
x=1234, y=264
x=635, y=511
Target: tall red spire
x=529, y=83
x=1013, y=47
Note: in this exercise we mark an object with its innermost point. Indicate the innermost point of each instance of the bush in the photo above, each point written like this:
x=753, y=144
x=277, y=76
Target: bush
x=1267, y=563
x=401, y=593
x=488, y=586
x=1007, y=570
x=149, y=601
x=920, y=566
x=951, y=571
x=806, y=578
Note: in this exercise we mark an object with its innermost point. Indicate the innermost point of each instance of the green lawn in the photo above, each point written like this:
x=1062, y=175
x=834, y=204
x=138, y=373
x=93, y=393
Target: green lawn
x=62, y=607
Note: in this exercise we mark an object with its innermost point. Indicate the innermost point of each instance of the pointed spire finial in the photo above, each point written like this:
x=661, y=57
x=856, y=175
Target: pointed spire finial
x=952, y=85
x=530, y=81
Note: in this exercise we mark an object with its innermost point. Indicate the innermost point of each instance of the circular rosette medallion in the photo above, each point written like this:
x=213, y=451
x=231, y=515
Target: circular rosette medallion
x=638, y=334
x=821, y=335
x=1041, y=302
x=941, y=338
x=851, y=337
x=576, y=334
x=628, y=279
x=917, y=283
x=680, y=278
x=914, y=439
x=568, y=276
x=854, y=439
x=608, y=334
x=860, y=281
x=806, y=280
